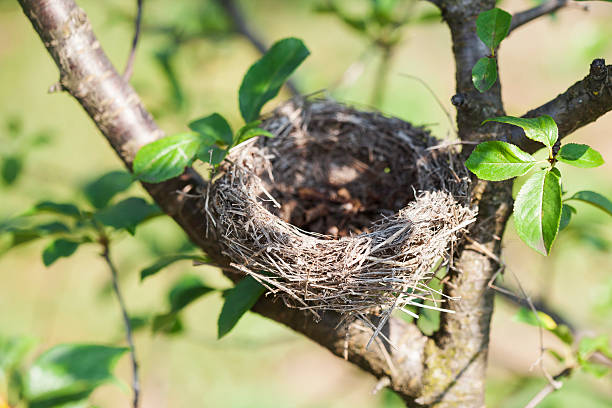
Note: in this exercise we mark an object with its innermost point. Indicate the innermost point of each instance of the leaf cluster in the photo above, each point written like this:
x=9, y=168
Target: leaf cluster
x=64, y=375
x=71, y=224
x=540, y=211
x=211, y=137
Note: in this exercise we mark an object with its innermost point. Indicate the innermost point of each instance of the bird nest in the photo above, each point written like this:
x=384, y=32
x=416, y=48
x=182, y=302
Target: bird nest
x=343, y=210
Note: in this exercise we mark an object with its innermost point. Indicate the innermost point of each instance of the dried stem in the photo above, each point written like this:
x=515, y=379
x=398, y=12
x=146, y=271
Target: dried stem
x=126, y=321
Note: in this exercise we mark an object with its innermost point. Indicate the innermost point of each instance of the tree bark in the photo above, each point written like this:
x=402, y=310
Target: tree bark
x=444, y=370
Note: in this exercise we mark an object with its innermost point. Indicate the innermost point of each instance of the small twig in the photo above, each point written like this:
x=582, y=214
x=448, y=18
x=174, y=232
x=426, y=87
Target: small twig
x=549, y=388
x=129, y=66
x=126, y=321
x=536, y=12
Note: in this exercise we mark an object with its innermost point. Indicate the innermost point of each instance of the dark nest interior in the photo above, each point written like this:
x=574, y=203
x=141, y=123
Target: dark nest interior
x=342, y=210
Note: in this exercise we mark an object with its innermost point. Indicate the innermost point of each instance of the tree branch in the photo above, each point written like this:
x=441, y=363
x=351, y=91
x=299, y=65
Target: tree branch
x=582, y=103
x=87, y=74
x=536, y=12
x=242, y=28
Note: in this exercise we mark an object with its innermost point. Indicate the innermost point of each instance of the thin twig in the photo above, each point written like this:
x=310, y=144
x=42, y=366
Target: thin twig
x=126, y=322
x=549, y=388
x=129, y=66
x=536, y=12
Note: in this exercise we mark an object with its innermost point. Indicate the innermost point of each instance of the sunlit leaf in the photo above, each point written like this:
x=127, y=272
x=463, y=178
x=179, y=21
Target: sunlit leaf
x=60, y=248
x=542, y=129
x=68, y=373
x=594, y=199
x=166, y=158
x=499, y=161
x=492, y=27
x=525, y=315
x=537, y=210
x=484, y=73
x=100, y=191
x=238, y=301
x=265, y=78
x=168, y=260
x=579, y=155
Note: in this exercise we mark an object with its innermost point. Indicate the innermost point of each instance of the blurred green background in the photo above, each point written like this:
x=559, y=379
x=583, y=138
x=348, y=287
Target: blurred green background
x=190, y=64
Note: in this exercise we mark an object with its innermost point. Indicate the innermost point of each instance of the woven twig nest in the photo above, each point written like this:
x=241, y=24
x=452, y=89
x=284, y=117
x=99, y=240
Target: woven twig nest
x=343, y=210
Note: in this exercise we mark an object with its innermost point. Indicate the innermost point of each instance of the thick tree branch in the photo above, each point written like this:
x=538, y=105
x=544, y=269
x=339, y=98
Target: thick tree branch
x=87, y=74
x=536, y=12
x=582, y=103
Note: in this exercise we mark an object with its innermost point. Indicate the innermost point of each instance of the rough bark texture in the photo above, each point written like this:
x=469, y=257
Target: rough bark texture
x=444, y=370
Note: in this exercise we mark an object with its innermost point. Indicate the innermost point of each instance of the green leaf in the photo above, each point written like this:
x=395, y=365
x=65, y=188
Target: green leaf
x=100, y=191
x=499, y=161
x=537, y=210
x=246, y=134
x=542, y=129
x=580, y=155
x=25, y=235
x=594, y=199
x=185, y=291
x=524, y=315
x=213, y=128
x=68, y=373
x=168, y=260
x=484, y=73
x=238, y=301
x=595, y=369
x=11, y=169
x=564, y=334
x=166, y=158
x=590, y=345
x=265, y=78
x=492, y=27
x=68, y=209
x=566, y=216
x=13, y=351
x=57, y=249
x=127, y=214
x=212, y=154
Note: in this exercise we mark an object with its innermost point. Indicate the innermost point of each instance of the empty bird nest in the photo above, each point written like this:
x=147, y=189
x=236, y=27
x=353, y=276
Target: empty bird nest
x=342, y=210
